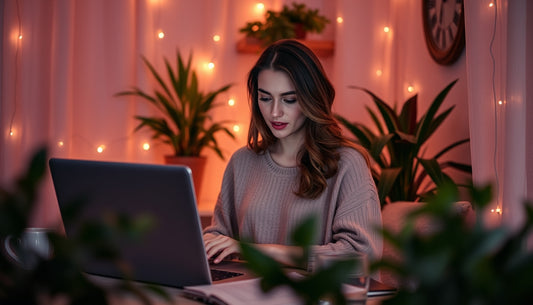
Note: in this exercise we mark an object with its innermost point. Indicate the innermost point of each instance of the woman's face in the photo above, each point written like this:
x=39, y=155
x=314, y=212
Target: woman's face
x=279, y=105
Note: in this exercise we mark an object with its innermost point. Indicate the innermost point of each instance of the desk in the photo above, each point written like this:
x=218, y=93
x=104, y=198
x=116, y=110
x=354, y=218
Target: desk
x=175, y=294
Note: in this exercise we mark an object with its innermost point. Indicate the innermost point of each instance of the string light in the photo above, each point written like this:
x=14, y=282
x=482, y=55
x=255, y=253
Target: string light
x=386, y=29
x=160, y=35
x=410, y=88
x=497, y=210
x=496, y=128
x=340, y=20
x=260, y=7
x=100, y=149
x=379, y=72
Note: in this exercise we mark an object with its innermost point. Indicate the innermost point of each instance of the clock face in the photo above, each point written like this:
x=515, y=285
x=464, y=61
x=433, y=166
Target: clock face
x=444, y=29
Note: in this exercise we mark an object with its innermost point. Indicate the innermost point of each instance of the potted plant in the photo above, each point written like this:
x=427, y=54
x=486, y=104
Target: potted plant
x=291, y=22
x=185, y=121
x=397, y=148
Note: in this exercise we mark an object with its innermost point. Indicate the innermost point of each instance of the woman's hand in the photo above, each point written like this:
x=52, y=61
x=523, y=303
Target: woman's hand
x=219, y=247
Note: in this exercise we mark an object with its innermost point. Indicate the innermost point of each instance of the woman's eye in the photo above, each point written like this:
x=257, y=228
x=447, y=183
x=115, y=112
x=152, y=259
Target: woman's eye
x=264, y=98
x=290, y=100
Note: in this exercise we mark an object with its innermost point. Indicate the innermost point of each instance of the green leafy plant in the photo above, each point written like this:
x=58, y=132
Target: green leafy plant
x=186, y=124
x=462, y=262
x=397, y=147
x=326, y=282
x=291, y=22
x=61, y=276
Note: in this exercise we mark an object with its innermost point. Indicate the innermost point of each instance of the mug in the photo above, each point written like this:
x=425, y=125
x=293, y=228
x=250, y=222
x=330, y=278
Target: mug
x=29, y=248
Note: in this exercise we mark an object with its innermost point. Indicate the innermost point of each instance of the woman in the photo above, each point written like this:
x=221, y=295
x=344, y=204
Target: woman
x=297, y=163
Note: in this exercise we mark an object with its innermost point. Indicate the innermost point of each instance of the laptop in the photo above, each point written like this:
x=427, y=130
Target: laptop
x=172, y=252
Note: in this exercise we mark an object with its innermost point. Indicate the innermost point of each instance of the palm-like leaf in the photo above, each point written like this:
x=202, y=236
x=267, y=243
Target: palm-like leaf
x=396, y=148
x=186, y=124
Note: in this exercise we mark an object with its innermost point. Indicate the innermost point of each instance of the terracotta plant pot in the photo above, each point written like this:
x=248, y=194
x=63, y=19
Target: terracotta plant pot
x=197, y=166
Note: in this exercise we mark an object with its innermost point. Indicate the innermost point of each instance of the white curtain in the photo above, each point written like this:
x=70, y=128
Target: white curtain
x=63, y=61
x=497, y=35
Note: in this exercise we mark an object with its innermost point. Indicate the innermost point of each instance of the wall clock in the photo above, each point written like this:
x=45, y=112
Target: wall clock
x=444, y=29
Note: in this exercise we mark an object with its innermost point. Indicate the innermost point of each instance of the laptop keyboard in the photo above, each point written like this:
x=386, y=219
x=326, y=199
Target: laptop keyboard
x=218, y=275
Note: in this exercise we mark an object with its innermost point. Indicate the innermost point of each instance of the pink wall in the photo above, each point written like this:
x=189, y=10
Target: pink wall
x=76, y=55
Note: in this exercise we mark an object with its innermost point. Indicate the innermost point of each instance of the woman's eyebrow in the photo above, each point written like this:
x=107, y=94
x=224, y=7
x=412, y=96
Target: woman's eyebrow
x=282, y=94
x=263, y=91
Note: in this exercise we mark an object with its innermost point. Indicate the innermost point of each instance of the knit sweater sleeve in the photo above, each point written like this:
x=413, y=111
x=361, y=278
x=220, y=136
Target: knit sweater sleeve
x=224, y=220
x=356, y=216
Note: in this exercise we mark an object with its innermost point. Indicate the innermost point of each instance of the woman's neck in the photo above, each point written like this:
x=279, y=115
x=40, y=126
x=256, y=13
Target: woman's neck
x=285, y=152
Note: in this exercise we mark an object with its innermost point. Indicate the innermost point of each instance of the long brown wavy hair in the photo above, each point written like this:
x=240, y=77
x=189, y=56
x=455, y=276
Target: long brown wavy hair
x=319, y=156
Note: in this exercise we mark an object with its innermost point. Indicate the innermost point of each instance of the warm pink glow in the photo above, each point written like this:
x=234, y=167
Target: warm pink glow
x=216, y=38
x=340, y=20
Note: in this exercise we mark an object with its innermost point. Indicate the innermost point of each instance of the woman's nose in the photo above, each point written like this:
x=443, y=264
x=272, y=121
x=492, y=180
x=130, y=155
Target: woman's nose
x=276, y=110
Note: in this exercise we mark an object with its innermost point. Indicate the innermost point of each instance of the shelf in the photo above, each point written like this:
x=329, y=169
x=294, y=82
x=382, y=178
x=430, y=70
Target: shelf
x=322, y=48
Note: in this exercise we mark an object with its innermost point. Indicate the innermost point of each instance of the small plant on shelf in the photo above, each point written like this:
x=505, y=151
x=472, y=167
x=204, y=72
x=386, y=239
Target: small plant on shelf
x=291, y=22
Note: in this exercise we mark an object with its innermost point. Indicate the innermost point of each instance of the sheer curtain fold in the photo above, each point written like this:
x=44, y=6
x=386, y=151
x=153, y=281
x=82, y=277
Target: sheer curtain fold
x=496, y=40
x=47, y=100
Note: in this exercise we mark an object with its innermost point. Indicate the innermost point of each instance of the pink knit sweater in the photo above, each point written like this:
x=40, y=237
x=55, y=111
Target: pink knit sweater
x=257, y=203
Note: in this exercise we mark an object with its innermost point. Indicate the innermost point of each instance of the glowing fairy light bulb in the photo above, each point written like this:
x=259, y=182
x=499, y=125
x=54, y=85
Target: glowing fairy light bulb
x=236, y=128
x=211, y=65
x=340, y=20
x=100, y=149
x=497, y=210
x=379, y=72
x=260, y=7
x=231, y=102
x=160, y=35
x=386, y=29
x=410, y=89
x=146, y=146
x=60, y=143
x=216, y=38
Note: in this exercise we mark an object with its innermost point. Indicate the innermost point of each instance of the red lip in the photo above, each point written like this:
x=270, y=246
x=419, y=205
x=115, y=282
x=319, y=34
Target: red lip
x=278, y=125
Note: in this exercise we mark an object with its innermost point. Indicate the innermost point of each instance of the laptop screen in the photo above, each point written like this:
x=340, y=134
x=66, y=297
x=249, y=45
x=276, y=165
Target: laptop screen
x=172, y=252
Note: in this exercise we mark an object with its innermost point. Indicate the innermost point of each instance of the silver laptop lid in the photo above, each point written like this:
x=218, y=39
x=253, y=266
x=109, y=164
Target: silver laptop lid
x=172, y=253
